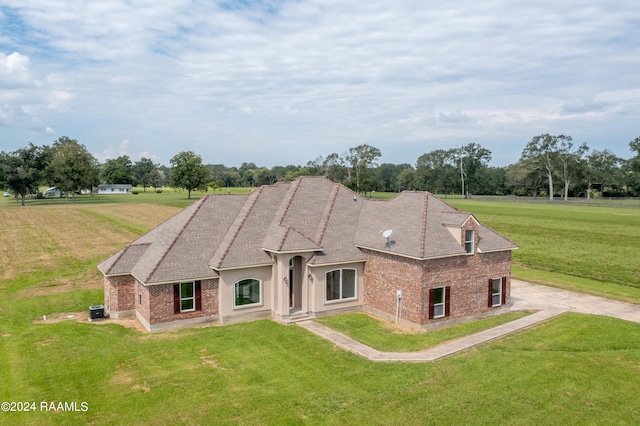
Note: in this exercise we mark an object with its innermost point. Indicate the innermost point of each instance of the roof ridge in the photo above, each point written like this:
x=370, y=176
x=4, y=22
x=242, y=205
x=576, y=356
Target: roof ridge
x=326, y=215
x=178, y=234
x=115, y=262
x=423, y=233
x=297, y=231
x=287, y=201
x=285, y=234
x=257, y=194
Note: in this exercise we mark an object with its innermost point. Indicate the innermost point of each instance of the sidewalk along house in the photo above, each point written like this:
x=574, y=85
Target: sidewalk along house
x=309, y=248
x=105, y=188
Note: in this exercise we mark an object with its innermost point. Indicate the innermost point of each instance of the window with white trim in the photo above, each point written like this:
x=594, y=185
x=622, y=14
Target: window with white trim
x=340, y=284
x=438, y=302
x=496, y=292
x=248, y=292
x=469, y=240
x=188, y=297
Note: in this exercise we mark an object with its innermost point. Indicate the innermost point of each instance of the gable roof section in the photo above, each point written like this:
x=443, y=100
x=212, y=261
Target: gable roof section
x=316, y=215
x=489, y=241
x=124, y=260
x=418, y=222
x=242, y=243
x=179, y=248
x=311, y=214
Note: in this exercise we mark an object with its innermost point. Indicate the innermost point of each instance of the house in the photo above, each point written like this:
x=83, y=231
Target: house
x=308, y=248
x=109, y=188
x=52, y=192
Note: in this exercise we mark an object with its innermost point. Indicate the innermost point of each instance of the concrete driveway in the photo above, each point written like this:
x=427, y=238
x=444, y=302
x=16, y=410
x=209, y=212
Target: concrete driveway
x=524, y=296
x=532, y=296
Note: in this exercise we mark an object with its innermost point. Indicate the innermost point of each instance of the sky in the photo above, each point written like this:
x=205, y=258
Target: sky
x=278, y=82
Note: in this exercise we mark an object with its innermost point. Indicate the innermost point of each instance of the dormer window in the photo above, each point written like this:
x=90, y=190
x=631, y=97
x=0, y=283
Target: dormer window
x=469, y=237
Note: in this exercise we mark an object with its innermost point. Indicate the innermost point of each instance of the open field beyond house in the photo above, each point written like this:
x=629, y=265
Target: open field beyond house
x=574, y=369
x=589, y=249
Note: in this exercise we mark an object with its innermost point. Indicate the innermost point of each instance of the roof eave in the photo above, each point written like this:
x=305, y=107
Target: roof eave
x=309, y=250
x=497, y=250
x=231, y=268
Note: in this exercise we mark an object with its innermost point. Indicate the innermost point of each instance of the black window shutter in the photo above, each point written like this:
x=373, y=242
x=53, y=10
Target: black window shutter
x=504, y=290
x=176, y=298
x=447, y=298
x=490, y=293
x=198, y=296
x=431, y=296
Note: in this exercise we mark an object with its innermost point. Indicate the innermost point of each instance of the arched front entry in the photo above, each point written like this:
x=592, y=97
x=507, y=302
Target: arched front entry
x=296, y=269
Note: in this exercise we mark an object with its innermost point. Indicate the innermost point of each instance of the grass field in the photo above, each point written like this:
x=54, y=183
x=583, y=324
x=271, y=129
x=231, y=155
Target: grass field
x=590, y=249
x=574, y=369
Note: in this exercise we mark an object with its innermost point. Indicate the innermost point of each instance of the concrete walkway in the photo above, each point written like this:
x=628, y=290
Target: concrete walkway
x=524, y=296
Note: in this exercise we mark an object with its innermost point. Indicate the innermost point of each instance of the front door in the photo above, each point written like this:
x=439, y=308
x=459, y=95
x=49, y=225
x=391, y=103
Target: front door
x=295, y=284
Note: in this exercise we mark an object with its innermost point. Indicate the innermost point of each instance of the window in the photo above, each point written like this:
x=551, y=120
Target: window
x=247, y=292
x=468, y=240
x=139, y=298
x=340, y=284
x=497, y=291
x=187, y=297
x=439, y=302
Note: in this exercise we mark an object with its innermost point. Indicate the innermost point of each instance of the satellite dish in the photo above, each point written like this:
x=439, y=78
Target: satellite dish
x=387, y=234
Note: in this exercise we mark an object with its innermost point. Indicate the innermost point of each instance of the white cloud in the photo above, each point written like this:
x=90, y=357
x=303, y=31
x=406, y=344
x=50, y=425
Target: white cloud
x=124, y=149
x=14, y=70
x=207, y=76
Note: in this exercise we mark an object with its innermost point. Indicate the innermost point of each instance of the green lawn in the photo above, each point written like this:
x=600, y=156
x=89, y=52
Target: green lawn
x=387, y=337
x=167, y=196
x=573, y=369
x=595, y=248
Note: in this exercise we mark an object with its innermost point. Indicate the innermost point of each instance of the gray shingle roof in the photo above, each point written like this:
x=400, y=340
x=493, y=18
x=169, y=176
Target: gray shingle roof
x=311, y=214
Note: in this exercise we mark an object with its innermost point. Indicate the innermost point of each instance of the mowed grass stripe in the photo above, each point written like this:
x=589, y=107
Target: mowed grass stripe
x=559, y=372
x=591, y=242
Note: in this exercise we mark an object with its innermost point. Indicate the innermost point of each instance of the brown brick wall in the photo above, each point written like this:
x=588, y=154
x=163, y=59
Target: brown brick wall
x=119, y=293
x=384, y=274
x=161, y=302
x=468, y=277
x=142, y=308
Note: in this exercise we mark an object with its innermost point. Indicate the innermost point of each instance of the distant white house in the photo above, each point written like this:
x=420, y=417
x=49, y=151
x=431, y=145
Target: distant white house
x=52, y=192
x=114, y=188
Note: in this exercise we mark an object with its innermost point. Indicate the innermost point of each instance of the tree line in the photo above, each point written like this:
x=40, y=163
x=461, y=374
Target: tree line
x=549, y=166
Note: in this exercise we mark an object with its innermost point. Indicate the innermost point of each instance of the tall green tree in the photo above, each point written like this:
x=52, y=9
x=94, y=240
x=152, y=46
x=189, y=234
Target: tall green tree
x=436, y=171
x=188, y=172
x=407, y=179
x=118, y=171
x=22, y=171
x=72, y=167
x=389, y=174
x=570, y=162
x=145, y=172
x=602, y=169
x=335, y=168
x=470, y=159
x=634, y=165
x=490, y=181
x=542, y=152
x=361, y=159
x=524, y=177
